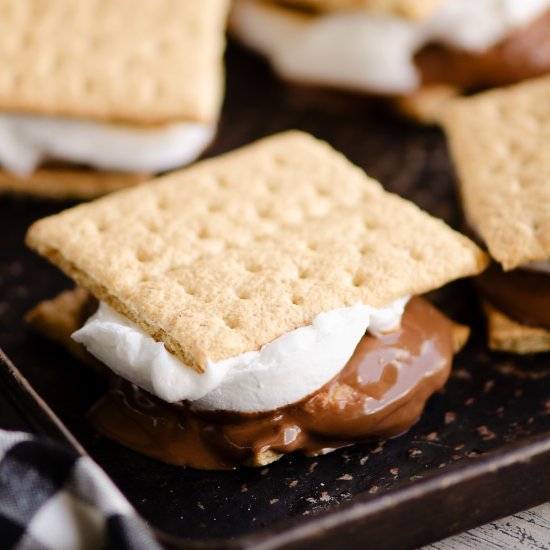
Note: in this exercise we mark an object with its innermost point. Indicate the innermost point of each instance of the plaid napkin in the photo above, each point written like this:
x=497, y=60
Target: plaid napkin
x=52, y=498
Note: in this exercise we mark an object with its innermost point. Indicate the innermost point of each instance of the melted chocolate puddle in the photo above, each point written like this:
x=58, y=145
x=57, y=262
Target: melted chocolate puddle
x=520, y=294
x=524, y=54
x=380, y=393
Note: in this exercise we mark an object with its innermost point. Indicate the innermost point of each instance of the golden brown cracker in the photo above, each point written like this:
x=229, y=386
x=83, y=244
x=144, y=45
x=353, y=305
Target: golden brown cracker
x=113, y=60
x=68, y=183
x=461, y=335
x=58, y=318
x=497, y=141
x=427, y=104
x=224, y=257
x=507, y=335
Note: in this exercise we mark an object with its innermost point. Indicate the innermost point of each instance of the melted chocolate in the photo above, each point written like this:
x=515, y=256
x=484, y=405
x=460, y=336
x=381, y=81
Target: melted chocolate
x=381, y=392
x=525, y=54
x=520, y=294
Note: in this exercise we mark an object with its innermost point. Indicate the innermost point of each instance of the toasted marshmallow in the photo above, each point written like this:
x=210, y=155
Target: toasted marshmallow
x=27, y=140
x=282, y=372
x=372, y=52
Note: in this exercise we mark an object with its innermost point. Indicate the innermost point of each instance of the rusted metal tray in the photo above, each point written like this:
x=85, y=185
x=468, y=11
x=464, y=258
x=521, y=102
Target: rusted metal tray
x=481, y=451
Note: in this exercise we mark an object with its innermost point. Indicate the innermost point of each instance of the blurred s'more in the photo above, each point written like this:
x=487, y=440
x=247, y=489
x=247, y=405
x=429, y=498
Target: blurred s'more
x=99, y=95
x=418, y=52
x=499, y=143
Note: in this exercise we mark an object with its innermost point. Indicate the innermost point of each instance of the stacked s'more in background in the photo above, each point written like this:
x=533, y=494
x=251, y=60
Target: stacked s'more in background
x=102, y=94
x=255, y=304
x=417, y=51
x=499, y=141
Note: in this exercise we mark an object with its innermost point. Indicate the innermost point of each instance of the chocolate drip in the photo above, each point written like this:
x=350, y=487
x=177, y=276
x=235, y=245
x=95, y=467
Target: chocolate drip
x=520, y=294
x=524, y=54
x=381, y=392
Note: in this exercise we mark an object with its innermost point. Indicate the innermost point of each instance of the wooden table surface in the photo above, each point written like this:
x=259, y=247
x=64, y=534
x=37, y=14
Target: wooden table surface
x=529, y=530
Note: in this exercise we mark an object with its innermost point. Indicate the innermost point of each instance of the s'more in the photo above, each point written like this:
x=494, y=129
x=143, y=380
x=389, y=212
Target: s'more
x=418, y=52
x=259, y=303
x=499, y=144
x=101, y=94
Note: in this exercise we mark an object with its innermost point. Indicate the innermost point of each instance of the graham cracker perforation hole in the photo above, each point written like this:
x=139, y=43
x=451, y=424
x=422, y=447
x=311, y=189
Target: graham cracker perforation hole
x=297, y=300
x=265, y=212
x=242, y=294
x=304, y=273
x=143, y=255
x=417, y=254
x=365, y=249
x=271, y=186
x=96, y=41
x=216, y=206
x=89, y=85
x=204, y=233
x=223, y=181
x=538, y=226
x=359, y=279
x=186, y=288
x=232, y=322
x=371, y=225
x=152, y=225
x=252, y=267
x=163, y=204
x=26, y=40
x=17, y=80
x=280, y=160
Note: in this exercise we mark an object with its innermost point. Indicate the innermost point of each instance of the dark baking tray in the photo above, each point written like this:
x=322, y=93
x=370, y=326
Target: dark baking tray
x=481, y=451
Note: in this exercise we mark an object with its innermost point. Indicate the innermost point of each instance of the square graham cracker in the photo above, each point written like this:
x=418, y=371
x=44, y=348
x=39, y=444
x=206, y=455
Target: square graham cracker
x=427, y=104
x=498, y=141
x=58, y=318
x=146, y=63
x=412, y=9
x=224, y=257
x=68, y=183
x=508, y=335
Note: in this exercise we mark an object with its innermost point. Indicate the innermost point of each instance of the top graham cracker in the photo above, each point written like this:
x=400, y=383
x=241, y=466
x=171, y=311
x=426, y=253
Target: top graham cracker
x=410, y=9
x=147, y=62
x=227, y=255
x=499, y=142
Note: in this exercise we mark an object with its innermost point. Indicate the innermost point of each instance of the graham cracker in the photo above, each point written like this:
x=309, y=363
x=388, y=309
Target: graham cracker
x=68, y=183
x=427, y=104
x=506, y=334
x=113, y=60
x=497, y=140
x=224, y=257
x=461, y=335
x=58, y=318
x=411, y=9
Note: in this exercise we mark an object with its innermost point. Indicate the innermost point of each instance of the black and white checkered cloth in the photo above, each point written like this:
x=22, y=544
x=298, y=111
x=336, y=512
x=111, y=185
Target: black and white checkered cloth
x=52, y=498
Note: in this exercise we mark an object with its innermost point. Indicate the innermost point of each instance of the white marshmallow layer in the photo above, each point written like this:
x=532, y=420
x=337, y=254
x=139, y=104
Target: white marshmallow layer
x=372, y=52
x=27, y=140
x=282, y=372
